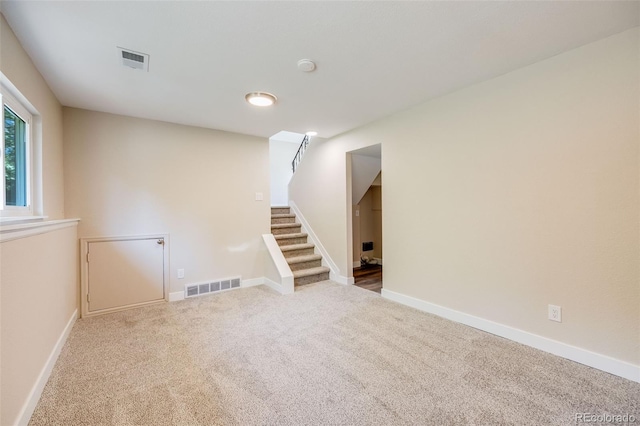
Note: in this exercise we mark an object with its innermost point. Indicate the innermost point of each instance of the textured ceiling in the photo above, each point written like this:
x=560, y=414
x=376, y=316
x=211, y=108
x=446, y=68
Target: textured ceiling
x=373, y=58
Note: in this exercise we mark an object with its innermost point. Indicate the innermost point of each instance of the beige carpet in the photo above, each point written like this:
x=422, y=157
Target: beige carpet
x=329, y=354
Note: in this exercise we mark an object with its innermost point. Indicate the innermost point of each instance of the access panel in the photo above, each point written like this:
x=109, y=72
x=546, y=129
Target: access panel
x=123, y=273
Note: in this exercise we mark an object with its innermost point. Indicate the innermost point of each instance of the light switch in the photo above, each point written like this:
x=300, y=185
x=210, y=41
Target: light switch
x=259, y=196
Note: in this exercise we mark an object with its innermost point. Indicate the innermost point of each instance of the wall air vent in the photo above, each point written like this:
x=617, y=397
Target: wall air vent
x=133, y=59
x=199, y=289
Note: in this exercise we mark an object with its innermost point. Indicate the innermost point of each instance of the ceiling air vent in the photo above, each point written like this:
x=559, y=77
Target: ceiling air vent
x=132, y=59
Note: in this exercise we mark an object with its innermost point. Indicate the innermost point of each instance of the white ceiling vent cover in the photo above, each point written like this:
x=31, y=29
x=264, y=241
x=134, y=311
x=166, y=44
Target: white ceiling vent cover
x=133, y=59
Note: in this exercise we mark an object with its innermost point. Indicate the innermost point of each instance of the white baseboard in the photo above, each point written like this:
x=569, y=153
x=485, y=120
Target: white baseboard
x=356, y=264
x=252, y=282
x=341, y=279
x=36, y=391
x=274, y=285
x=176, y=296
x=573, y=353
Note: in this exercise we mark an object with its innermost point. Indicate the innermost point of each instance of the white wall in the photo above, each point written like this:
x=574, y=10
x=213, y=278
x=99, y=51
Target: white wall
x=507, y=196
x=281, y=155
x=129, y=176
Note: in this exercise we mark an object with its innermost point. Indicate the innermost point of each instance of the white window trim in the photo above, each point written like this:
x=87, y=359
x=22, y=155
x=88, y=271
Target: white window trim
x=19, y=104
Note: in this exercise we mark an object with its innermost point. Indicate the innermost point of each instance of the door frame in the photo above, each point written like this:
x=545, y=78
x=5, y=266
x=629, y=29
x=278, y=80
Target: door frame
x=84, y=272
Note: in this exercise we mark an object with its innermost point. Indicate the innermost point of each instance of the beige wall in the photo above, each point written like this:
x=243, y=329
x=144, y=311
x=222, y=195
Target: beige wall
x=38, y=278
x=319, y=189
x=376, y=218
x=18, y=68
x=367, y=225
x=355, y=232
x=39, y=296
x=509, y=195
x=129, y=176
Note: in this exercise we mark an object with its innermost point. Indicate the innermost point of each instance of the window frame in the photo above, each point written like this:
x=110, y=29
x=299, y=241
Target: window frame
x=23, y=112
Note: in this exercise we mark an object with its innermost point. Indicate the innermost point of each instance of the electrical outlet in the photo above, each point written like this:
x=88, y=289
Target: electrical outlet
x=181, y=273
x=555, y=313
x=259, y=196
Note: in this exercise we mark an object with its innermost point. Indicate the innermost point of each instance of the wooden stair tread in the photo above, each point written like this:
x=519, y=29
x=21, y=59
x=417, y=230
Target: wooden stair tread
x=311, y=271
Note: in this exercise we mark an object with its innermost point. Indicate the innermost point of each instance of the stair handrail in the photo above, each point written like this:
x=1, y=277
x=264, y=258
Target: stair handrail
x=298, y=157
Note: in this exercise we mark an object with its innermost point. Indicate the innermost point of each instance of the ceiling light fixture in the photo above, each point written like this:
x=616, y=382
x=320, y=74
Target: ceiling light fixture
x=306, y=65
x=261, y=99
x=311, y=133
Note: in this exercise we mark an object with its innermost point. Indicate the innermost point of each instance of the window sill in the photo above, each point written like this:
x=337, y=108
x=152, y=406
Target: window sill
x=16, y=231
x=11, y=220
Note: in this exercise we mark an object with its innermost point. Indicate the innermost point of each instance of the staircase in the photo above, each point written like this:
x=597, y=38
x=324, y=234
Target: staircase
x=304, y=263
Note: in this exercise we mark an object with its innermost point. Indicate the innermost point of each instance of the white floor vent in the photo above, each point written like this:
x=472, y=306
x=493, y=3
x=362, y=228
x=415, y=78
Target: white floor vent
x=192, y=290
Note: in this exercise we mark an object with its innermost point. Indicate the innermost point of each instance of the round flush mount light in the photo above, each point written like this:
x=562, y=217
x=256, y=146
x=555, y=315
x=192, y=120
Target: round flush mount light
x=306, y=65
x=311, y=133
x=261, y=99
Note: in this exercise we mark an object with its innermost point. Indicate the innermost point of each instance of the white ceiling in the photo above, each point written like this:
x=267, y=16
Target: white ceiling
x=284, y=136
x=373, y=58
x=374, y=151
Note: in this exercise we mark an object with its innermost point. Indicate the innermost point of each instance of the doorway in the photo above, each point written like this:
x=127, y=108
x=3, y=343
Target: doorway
x=368, y=277
x=366, y=217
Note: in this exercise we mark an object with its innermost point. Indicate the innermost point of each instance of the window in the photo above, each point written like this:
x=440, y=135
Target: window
x=16, y=153
x=15, y=159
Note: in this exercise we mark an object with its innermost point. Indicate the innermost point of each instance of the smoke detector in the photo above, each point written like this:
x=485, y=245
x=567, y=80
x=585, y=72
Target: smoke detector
x=306, y=65
x=133, y=59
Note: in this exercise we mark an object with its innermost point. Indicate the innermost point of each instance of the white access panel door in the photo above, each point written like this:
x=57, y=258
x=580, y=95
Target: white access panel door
x=123, y=273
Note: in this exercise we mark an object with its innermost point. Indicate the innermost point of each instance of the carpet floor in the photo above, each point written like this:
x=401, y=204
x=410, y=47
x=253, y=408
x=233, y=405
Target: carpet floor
x=328, y=354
